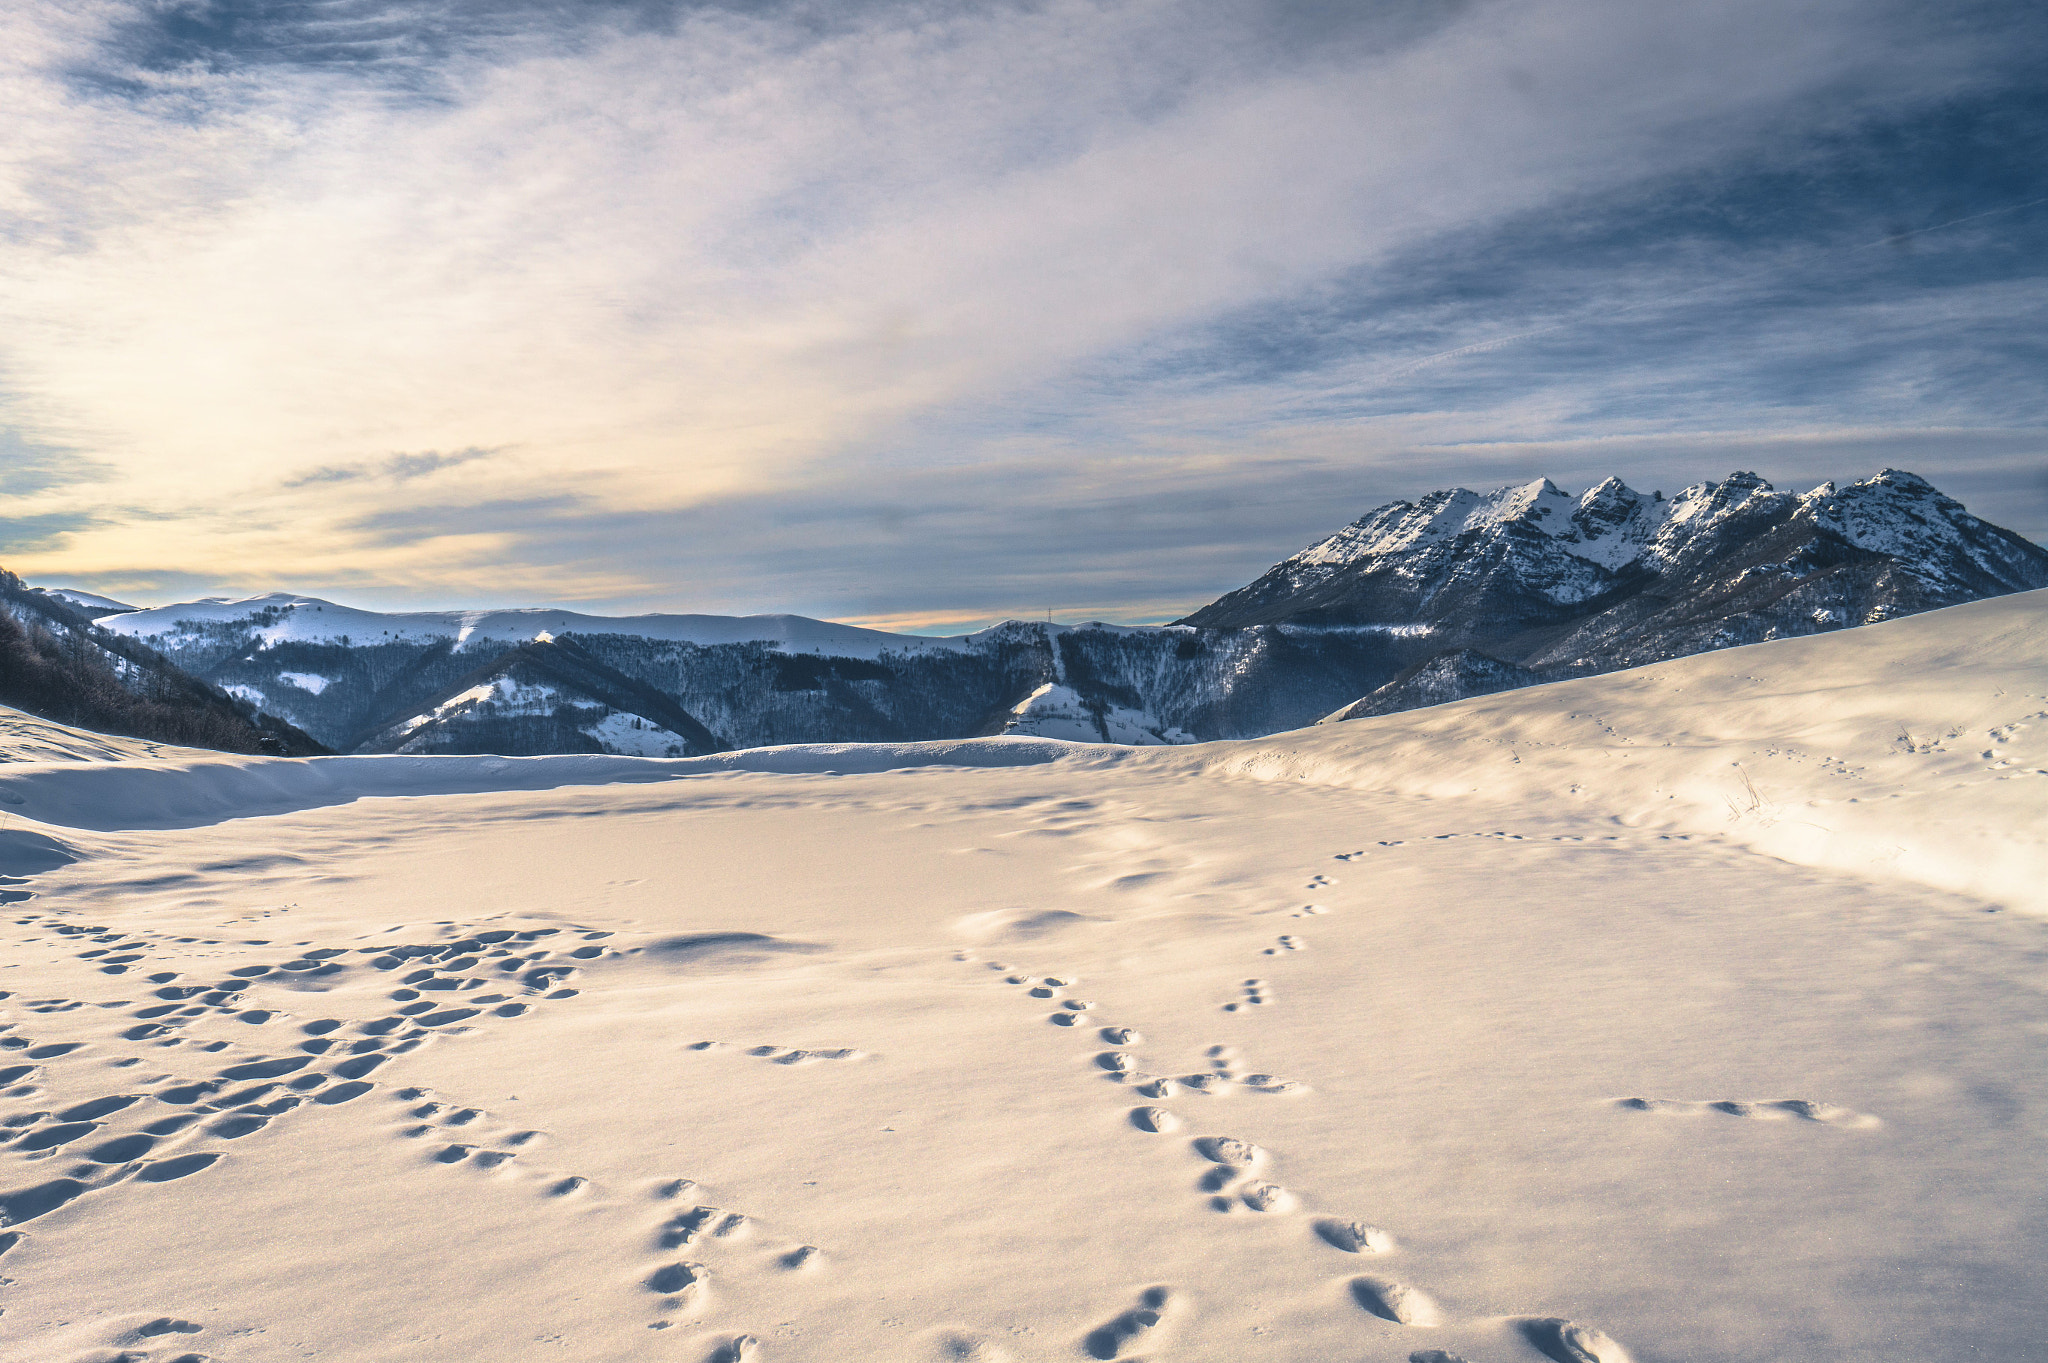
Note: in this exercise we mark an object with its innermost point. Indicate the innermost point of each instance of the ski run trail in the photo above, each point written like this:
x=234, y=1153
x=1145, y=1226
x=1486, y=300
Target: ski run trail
x=1694, y=1013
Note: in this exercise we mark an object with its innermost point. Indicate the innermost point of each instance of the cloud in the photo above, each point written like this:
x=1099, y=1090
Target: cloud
x=29, y=466
x=725, y=285
x=24, y=534
x=398, y=468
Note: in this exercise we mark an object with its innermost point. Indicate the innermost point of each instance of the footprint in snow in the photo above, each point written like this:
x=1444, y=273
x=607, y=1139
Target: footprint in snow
x=701, y=1221
x=1397, y=1302
x=1761, y=1109
x=1266, y=1197
x=1155, y=1119
x=429, y=1117
x=1138, y=1323
x=685, y=1285
x=1256, y=994
x=162, y=1325
x=960, y=1346
x=1354, y=1237
x=1567, y=1342
x=1229, y=1151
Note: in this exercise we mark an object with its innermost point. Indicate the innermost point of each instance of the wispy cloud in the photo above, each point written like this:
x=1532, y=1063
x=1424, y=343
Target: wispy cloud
x=397, y=468
x=26, y=534
x=29, y=467
x=1086, y=301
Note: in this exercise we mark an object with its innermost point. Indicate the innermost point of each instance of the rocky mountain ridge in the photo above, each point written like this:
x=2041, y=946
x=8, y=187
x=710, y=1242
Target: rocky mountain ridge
x=1456, y=594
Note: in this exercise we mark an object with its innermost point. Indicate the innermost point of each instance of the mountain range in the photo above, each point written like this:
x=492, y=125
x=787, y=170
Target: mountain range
x=57, y=662
x=1416, y=603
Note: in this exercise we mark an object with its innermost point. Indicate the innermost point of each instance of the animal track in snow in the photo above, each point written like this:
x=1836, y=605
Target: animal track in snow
x=1231, y=1161
x=1235, y=1185
x=705, y=1229
x=1154, y=1119
x=1071, y=1012
x=1566, y=1342
x=780, y=1055
x=1229, y=1151
x=1762, y=1109
x=1395, y=1301
x=1110, y=1340
x=717, y=1222
x=684, y=1284
x=164, y=1127
x=1266, y=1197
x=1354, y=1237
x=427, y=1118
x=1256, y=994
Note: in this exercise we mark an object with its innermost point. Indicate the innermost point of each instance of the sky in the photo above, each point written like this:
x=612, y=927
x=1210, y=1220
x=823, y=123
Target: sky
x=924, y=315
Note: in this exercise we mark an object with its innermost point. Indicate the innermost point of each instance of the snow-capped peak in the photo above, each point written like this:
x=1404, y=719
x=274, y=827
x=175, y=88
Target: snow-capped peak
x=1902, y=515
x=1611, y=524
x=1403, y=526
x=1608, y=525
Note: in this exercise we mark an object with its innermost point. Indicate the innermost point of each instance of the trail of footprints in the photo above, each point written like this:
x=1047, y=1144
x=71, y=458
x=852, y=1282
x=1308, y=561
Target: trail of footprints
x=168, y=1125
x=1237, y=1180
x=499, y=974
x=780, y=1055
x=1759, y=1109
x=1256, y=991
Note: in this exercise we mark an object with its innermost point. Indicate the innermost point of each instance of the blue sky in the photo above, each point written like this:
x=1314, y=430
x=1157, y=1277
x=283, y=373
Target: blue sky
x=925, y=315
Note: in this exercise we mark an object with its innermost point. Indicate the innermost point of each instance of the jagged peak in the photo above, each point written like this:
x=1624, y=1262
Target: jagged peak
x=1609, y=489
x=1611, y=526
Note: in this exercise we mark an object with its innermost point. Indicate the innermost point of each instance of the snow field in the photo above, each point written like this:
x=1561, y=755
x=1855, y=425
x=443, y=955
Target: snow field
x=1698, y=1006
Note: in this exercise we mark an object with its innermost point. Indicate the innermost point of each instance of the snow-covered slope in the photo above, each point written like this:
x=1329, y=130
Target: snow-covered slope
x=548, y=696
x=1699, y=1005
x=1457, y=675
x=1056, y=710
x=282, y=617
x=27, y=738
x=57, y=661
x=91, y=603
x=353, y=678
